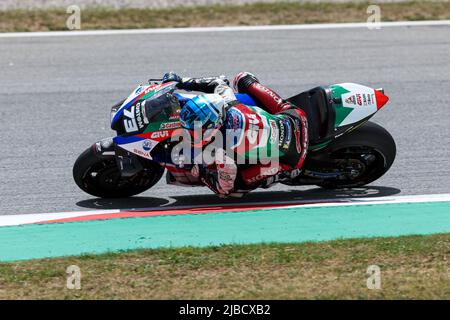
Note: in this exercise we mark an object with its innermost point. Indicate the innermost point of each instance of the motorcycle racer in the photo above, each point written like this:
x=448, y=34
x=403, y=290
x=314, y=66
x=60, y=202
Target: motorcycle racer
x=275, y=128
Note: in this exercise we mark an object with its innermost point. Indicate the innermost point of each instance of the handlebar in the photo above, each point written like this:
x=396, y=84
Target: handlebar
x=154, y=80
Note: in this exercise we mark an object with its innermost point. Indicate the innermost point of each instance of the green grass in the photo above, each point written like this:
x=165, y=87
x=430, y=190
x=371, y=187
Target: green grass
x=220, y=15
x=411, y=267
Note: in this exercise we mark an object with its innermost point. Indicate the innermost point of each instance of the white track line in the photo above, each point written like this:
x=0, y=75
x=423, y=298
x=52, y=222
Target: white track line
x=20, y=219
x=222, y=29
x=14, y=220
x=378, y=201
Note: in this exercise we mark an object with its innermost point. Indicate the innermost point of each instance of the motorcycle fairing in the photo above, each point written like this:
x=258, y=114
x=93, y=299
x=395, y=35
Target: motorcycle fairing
x=159, y=129
x=142, y=93
x=355, y=103
x=337, y=109
x=142, y=142
x=332, y=111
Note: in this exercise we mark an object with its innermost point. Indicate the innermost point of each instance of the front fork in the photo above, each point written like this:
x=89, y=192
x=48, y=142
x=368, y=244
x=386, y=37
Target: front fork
x=127, y=162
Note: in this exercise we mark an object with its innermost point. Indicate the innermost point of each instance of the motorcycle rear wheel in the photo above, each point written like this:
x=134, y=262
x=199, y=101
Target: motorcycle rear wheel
x=99, y=176
x=367, y=152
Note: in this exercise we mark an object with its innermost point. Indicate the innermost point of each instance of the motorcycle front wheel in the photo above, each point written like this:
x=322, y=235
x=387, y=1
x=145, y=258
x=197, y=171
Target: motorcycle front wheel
x=99, y=176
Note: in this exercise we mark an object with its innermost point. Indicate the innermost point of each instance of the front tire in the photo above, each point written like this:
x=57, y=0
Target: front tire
x=99, y=176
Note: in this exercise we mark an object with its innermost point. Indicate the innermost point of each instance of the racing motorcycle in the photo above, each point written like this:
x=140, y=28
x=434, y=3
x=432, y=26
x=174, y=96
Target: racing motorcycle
x=346, y=150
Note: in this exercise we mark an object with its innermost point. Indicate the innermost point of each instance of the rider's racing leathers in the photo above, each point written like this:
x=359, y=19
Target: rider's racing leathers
x=267, y=141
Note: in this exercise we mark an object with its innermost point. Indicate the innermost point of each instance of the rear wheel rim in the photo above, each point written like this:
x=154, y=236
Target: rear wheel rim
x=359, y=165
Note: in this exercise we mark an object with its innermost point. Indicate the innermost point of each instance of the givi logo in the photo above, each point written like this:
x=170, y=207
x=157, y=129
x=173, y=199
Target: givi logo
x=160, y=134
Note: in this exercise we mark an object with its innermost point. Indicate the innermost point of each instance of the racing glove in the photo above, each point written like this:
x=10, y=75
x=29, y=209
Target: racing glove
x=221, y=179
x=171, y=76
x=206, y=85
x=226, y=172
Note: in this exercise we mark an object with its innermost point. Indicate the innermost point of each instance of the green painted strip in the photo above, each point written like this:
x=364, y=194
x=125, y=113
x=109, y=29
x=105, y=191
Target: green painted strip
x=277, y=225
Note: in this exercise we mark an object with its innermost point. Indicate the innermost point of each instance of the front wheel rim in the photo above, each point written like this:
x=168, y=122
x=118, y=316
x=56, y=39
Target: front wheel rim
x=106, y=176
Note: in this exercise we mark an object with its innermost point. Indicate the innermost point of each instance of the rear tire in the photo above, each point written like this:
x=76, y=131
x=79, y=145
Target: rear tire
x=99, y=176
x=370, y=148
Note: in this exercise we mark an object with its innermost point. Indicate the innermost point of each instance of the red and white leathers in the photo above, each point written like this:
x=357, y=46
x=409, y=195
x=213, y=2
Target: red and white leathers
x=222, y=179
x=291, y=121
x=268, y=99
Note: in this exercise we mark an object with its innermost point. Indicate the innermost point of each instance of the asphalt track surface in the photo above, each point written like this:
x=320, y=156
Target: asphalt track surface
x=56, y=93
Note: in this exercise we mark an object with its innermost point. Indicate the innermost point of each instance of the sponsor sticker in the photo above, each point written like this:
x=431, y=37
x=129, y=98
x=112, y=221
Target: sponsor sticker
x=287, y=134
x=235, y=124
x=170, y=125
x=147, y=145
x=138, y=90
x=282, y=133
x=265, y=173
x=139, y=115
x=159, y=135
x=144, y=112
x=151, y=88
x=351, y=100
x=298, y=125
x=234, y=119
x=175, y=115
x=141, y=153
x=273, y=131
x=272, y=94
x=253, y=128
x=359, y=99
